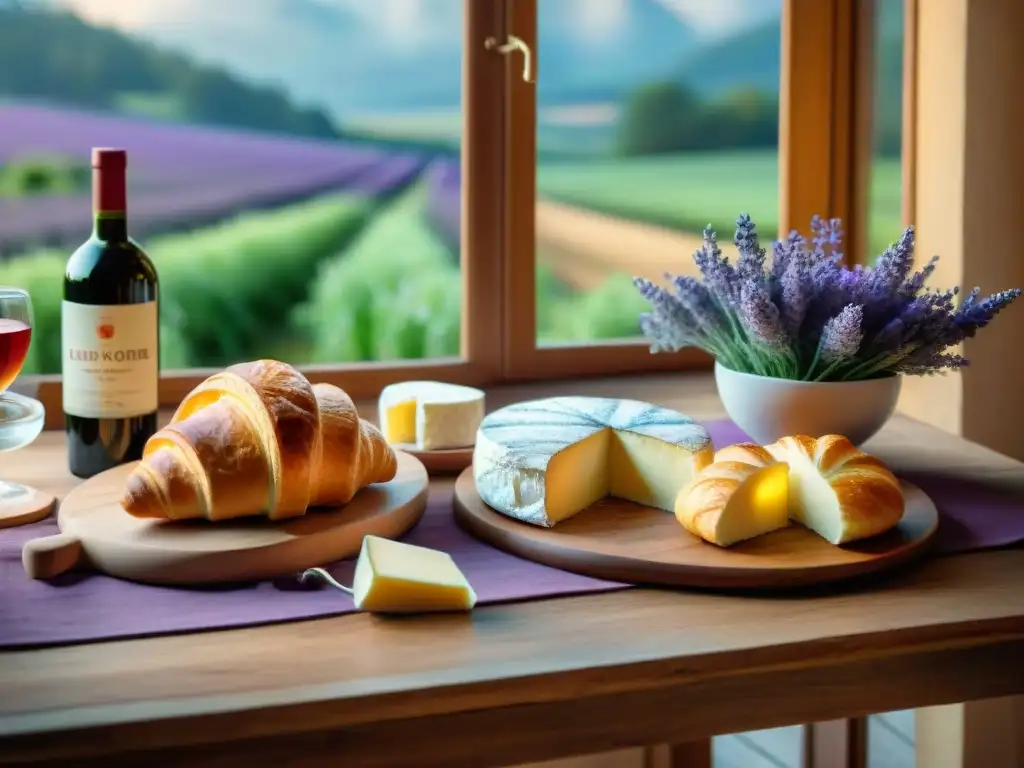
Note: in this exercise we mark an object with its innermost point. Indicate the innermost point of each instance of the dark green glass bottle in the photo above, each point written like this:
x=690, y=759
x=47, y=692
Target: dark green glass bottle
x=109, y=333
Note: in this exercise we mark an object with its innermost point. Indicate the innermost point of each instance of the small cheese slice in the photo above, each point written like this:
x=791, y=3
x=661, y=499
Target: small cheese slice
x=431, y=415
x=543, y=461
x=395, y=577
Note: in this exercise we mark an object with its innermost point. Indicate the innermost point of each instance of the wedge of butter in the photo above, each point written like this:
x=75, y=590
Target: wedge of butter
x=394, y=577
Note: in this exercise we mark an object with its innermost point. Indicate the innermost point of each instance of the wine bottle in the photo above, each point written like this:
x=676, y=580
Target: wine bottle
x=109, y=333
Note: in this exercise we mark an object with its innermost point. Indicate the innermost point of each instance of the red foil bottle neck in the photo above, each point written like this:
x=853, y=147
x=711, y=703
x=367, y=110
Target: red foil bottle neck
x=109, y=194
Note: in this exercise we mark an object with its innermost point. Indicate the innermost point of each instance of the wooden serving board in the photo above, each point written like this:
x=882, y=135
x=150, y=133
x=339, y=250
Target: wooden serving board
x=97, y=533
x=626, y=542
x=450, y=461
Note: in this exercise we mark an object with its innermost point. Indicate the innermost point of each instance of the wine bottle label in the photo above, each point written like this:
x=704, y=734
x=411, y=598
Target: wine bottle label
x=110, y=359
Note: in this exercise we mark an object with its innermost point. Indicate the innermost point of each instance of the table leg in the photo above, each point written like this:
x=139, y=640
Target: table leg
x=979, y=734
x=836, y=744
x=693, y=754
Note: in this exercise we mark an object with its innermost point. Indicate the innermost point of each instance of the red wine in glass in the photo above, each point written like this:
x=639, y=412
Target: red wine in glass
x=21, y=418
x=15, y=336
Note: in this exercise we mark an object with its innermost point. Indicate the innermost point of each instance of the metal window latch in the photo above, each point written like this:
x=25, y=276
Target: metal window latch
x=514, y=44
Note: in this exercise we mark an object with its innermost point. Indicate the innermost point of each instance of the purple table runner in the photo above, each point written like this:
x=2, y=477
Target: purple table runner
x=83, y=607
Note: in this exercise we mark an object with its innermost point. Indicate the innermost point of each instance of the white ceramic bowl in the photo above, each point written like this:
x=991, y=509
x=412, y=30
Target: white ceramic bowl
x=768, y=409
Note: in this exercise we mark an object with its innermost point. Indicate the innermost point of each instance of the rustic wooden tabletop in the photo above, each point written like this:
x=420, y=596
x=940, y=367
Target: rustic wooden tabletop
x=537, y=680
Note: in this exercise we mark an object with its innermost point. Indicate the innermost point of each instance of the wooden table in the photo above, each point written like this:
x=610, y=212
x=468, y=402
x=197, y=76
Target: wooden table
x=536, y=680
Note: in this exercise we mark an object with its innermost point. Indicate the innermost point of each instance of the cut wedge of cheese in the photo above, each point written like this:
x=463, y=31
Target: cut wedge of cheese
x=431, y=415
x=395, y=577
x=543, y=461
x=731, y=501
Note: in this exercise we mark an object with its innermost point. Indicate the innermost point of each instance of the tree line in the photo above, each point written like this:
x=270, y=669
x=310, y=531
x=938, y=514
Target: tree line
x=668, y=116
x=56, y=56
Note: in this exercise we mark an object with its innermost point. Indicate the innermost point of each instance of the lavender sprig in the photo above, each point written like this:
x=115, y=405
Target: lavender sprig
x=719, y=275
x=808, y=315
x=750, y=265
x=840, y=340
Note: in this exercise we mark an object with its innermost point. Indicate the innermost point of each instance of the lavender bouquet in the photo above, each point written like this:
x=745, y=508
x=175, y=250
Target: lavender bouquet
x=806, y=316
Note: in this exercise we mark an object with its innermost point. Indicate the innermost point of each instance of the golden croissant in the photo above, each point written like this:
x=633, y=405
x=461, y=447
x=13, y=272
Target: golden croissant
x=257, y=439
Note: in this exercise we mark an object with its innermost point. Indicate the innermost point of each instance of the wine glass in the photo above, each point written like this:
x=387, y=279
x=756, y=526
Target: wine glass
x=21, y=418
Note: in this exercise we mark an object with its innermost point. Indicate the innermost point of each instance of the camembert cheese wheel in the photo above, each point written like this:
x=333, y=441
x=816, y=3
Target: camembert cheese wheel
x=543, y=461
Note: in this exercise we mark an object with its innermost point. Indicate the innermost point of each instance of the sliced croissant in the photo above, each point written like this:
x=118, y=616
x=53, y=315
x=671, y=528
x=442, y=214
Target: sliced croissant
x=837, y=490
x=831, y=487
x=732, y=501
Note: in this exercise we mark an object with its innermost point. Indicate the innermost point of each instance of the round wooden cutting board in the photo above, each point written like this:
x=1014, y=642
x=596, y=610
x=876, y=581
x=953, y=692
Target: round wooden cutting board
x=96, y=532
x=450, y=461
x=622, y=541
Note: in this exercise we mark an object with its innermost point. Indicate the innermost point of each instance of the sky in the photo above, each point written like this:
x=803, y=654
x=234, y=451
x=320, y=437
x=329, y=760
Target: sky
x=414, y=18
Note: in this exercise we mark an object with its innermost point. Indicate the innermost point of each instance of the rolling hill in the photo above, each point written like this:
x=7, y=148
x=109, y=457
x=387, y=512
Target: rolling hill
x=751, y=58
x=56, y=57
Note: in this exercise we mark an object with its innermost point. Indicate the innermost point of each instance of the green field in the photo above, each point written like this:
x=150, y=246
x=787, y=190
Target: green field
x=365, y=280
x=360, y=282
x=687, y=192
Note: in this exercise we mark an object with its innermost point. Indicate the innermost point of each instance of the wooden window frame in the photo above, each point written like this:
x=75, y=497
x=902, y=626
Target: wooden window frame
x=816, y=105
x=498, y=155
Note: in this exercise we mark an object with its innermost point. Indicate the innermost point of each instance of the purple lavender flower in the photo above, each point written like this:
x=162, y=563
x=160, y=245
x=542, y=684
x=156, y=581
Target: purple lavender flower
x=828, y=235
x=915, y=283
x=969, y=300
x=972, y=315
x=926, y=362
x=893, y=266
x=915, y=313
x=695, y=296
x=718, y=273
x=937, y=325
x=827, y=294
x=783, y=254
x=750, y=265
x=761, y=317
x=669, y=325
x=795, y=297
x=891, y=338
x=810, y=315
x=841, y=337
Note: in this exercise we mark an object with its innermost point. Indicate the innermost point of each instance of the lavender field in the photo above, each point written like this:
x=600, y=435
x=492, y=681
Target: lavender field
x=181, y=177
x=444, y=199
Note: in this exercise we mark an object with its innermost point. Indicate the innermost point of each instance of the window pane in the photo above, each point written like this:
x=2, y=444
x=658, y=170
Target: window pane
x=293, y=168
x=891, y=739
x=655, y=118
x=885, y=190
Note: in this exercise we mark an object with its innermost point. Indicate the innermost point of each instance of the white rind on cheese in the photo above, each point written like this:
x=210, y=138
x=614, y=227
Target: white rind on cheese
x=543, y=461
x=432, y=415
